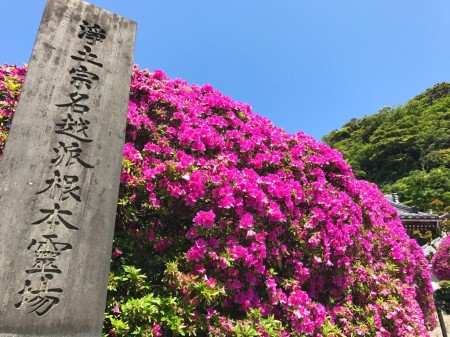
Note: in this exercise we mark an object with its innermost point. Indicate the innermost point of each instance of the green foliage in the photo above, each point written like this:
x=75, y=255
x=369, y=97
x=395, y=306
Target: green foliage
x=436, y=158
x=422, y=189
x=405, y=149
x=136, y=309
x=421, y=236
x=443, y=294
x=256, y=324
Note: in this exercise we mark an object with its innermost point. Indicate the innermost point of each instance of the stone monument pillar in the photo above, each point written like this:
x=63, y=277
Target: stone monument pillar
x=59, y=178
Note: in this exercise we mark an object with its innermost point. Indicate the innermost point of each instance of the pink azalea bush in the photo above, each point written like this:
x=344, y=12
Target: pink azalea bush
x=11, y=79
x=440, y=263
x=228, y=226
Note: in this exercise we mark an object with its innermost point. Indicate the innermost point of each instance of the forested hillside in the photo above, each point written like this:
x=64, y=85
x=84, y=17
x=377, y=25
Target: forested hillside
x=404, y=149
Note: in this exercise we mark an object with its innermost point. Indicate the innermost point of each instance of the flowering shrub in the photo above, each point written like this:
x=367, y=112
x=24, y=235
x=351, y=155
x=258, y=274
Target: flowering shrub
x=441, y=260
x=11, y=79
x=228, y=226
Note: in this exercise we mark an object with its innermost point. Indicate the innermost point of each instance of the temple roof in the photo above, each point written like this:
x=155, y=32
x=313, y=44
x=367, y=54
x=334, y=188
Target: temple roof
x=410, y=212
x=430, y=248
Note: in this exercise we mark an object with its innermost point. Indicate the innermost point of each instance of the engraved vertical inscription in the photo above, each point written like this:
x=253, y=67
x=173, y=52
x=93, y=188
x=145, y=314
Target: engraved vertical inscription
x=92, y=34
x=42, y=299
x=36, y=296
x=39, y=298
x=60, y=173
x=46, y=252
x=61, y=187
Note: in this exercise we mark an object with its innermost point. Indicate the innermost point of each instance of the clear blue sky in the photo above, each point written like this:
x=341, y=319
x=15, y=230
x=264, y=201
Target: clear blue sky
x=307, y=65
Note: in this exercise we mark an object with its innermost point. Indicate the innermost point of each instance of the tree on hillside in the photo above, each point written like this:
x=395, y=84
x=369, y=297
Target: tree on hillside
x=403, y=149
x=425, y=189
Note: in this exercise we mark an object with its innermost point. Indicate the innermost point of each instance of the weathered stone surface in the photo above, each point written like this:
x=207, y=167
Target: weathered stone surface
x=59, y=177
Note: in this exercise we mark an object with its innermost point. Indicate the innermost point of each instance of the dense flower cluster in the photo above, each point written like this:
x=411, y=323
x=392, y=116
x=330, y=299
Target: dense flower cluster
x=11, y=79
x=228, y=226
x=441, y=260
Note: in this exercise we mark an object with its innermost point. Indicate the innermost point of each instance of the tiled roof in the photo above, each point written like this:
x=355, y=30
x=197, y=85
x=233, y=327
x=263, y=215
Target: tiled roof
x=409, y=212
x=430, y=248
x=421, y=219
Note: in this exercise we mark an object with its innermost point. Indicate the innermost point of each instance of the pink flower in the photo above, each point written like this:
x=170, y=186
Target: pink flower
x=210, y=312
x=246, y=221
x=130, y=153
x=156, y=330
x=125, y=177
x=116, y=253
x=205, y=219
x=150, y=235
x=197, y=252
x=441, y=260
x=162, y=244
